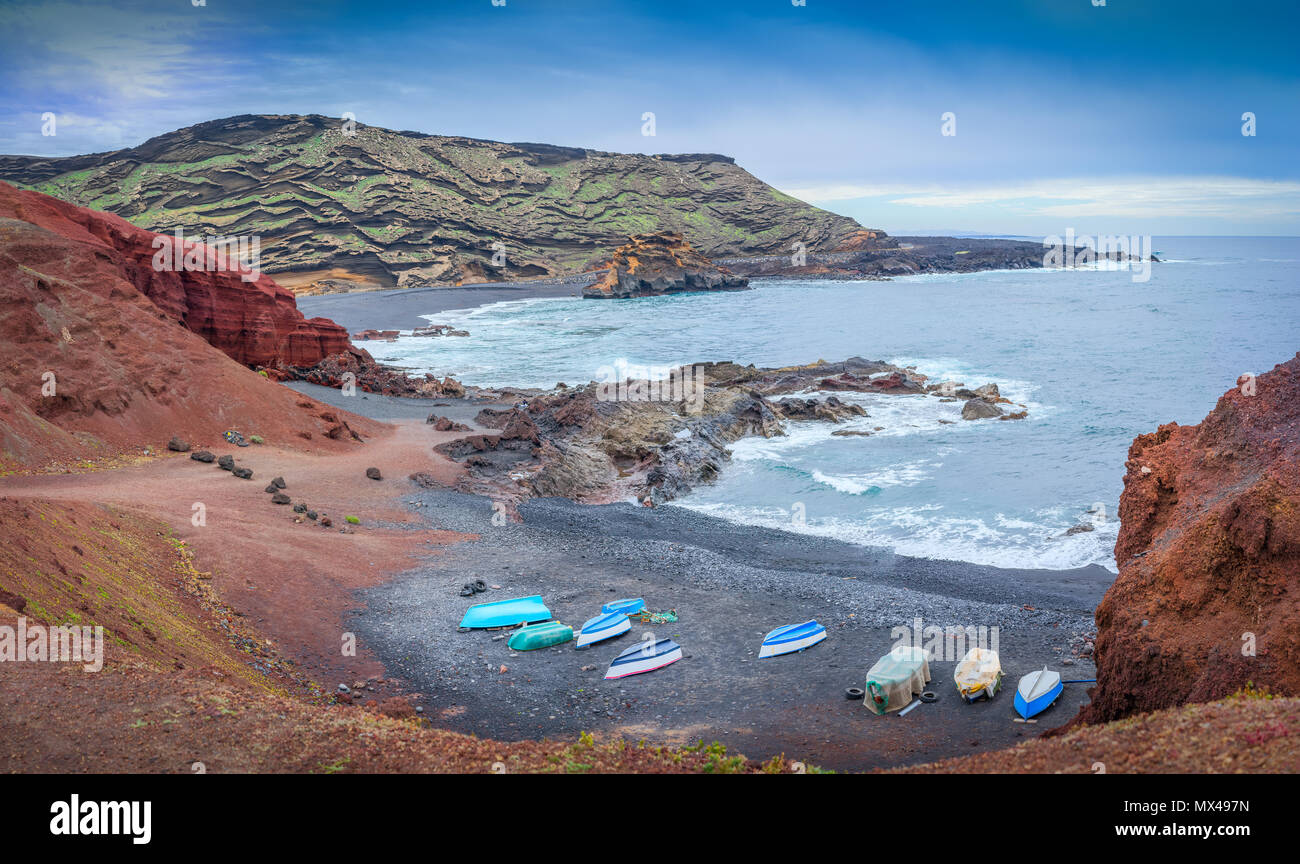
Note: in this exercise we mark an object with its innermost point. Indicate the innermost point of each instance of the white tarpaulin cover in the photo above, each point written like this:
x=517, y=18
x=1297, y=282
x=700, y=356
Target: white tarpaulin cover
x=896, y=678
x=978, y=674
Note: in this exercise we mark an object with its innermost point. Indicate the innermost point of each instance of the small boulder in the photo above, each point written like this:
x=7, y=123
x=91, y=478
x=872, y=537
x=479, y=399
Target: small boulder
x=277, y=482
x=300, y=508
x=242, y=473
x=226, y=463
x=373, y=474
x=280, y=498
x=177, y=445
x=271, y=489
x=979, y=409
x=203, y=456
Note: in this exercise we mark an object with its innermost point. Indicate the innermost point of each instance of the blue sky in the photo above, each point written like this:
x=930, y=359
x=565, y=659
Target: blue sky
x=1123, y=118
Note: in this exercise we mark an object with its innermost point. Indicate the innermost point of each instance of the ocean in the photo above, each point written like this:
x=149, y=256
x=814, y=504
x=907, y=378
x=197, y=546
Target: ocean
x=1097, y=357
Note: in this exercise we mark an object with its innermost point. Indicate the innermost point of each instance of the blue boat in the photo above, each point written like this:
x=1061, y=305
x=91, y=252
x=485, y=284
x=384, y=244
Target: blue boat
x=506, y=613
x=628, y=607
x=1036, y=691
x=604, y=626
x=791, y=638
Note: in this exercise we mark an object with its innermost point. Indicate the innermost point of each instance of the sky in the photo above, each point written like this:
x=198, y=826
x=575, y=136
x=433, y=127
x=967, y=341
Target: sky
x=1123, y=118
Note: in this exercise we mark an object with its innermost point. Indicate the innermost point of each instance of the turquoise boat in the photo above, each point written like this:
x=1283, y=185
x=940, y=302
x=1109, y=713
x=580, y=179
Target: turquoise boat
x=536, y=636
x=506, y=613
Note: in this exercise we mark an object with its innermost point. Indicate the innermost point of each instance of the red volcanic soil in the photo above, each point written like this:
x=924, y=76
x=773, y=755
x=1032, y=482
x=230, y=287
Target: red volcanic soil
x=92, y=366
x=288, y=576
x=1208, y=593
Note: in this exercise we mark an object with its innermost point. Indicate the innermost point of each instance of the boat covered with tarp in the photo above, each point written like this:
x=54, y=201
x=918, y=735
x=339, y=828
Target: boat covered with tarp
x=895, y=678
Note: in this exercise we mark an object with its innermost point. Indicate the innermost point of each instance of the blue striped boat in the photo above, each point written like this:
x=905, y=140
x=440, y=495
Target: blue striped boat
x=645, y=657
x=628, y=607
x=790, y=638
x=607, y=625
x=1037, y=691
x=506, y=613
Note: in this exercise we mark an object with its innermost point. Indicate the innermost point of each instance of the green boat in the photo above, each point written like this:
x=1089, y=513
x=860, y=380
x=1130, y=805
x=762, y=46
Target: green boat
x=536, y=636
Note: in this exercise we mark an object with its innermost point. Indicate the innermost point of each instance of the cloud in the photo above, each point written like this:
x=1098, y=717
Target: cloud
x=1120, y=197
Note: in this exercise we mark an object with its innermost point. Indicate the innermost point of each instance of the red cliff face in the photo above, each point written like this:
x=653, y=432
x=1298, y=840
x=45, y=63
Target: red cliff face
x=93, y=367
x=255, y=322
x=1208, y=593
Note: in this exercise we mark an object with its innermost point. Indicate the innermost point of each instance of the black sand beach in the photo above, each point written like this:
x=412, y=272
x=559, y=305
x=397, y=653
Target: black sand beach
x=401, y=308
x=729, y=584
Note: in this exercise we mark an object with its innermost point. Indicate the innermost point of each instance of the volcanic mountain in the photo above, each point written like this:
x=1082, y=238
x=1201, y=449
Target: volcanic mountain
x=362, y=205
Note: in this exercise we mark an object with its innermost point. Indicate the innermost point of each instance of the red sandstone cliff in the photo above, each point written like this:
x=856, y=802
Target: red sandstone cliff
x=1209, y=553
x=92, y=366
x=256, y=322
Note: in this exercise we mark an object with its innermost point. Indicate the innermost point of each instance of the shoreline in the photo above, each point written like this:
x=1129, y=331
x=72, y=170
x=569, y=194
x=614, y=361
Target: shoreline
x=401, y=308
x=729, y=583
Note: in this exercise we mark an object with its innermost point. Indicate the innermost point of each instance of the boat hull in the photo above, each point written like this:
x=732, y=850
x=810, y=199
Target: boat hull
x=642, y=658
x=787, y=640
x=630, y=606
x=978, y=675
x=506, y=613
x=537, y=636
x=1029, y=704
x=603, y=627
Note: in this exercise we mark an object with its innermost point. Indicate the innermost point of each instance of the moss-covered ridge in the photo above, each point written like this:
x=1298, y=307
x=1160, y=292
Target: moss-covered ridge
x=370, y=205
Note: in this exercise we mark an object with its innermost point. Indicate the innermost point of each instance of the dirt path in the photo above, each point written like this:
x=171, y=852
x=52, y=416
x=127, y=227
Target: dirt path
x=290, y=577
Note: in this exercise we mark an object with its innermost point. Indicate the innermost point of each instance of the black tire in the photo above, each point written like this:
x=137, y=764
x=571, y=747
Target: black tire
x=854, y=693
x=929, y=696
x=480, y=585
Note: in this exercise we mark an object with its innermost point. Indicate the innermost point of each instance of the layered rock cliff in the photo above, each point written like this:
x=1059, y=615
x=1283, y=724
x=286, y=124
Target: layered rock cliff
x=362, y=205
x=93, y=365
x=255, y=322
x=1208, y=593
x=661, y=263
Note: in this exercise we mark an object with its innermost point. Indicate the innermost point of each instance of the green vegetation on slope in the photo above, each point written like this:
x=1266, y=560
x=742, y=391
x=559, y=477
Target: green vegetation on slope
x=403, y=207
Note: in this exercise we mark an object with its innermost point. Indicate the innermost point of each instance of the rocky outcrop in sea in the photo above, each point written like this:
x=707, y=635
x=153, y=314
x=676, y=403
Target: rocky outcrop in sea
x=653, y=441
x=661, y=263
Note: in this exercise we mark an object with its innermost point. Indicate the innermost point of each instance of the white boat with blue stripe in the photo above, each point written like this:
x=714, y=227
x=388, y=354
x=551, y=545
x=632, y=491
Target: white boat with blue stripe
x=604, y=626
x=644, y=657
x=1036, y=691
x=791, y=638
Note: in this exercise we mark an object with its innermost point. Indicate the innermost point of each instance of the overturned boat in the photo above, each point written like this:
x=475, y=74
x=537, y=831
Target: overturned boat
x=979, y=674
x=629, y=606
x=506, y=613
x=791, y=638
x=604, y=626
x=1037, y=691
x=645, y=657
x=536, y=636
x=895, y=678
